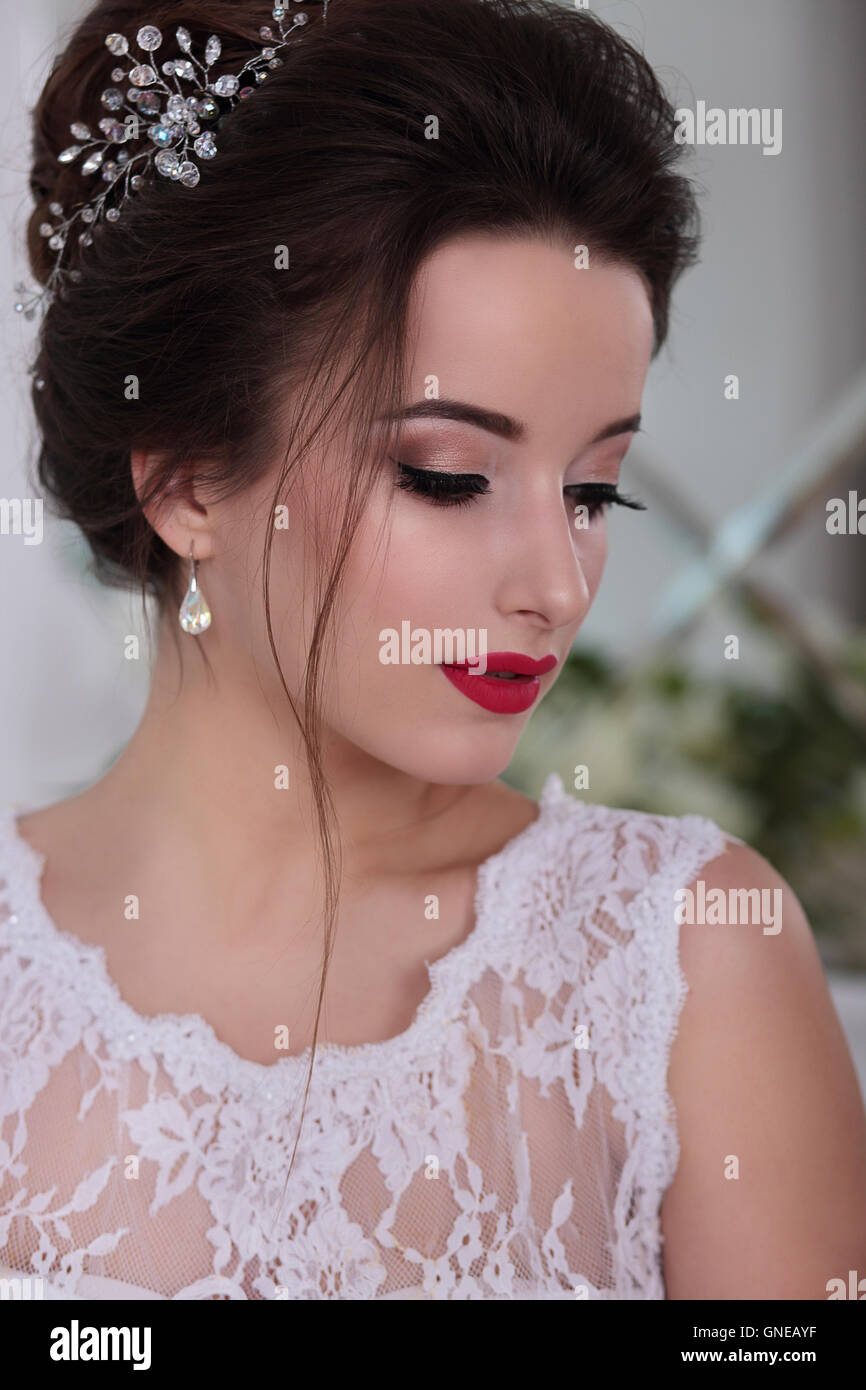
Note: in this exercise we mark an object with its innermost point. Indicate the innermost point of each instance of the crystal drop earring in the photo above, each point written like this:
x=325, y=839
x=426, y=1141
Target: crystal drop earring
x=194, y=613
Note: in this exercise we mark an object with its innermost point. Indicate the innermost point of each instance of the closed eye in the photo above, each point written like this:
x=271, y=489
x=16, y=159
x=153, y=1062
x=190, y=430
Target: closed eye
x=597, y=496
x=460, y=489
x=443, y=489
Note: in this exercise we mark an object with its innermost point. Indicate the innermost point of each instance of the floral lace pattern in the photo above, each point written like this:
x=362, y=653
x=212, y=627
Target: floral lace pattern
x=515, y=1141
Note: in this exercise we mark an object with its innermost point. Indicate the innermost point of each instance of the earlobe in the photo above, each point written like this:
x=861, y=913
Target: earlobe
x=170, y=505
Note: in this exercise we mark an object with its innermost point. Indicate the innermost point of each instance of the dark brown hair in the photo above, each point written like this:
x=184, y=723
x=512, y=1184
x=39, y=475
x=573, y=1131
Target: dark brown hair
x=550, y=125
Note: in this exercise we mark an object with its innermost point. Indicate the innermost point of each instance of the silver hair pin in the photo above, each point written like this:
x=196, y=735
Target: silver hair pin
x=172, y=122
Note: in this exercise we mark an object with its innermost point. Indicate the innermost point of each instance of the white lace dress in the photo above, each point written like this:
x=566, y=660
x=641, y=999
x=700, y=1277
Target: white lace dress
x=514, y=1142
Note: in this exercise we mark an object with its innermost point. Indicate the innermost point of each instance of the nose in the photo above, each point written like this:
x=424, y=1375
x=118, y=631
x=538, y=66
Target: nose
x=545, y=567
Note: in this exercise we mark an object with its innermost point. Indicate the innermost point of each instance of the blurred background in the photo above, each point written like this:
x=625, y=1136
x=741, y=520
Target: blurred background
x=722, y=670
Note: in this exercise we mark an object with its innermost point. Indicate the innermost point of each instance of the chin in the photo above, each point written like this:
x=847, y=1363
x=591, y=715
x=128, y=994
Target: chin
x=452, y=757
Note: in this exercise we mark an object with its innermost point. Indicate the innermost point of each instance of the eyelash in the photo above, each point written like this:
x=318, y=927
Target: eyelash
x=459, y=489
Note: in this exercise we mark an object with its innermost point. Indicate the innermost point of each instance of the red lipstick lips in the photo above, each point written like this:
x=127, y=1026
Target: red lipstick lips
x=510, y=693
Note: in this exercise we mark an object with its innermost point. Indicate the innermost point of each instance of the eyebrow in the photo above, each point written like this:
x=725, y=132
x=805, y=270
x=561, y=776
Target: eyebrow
x=493, y=421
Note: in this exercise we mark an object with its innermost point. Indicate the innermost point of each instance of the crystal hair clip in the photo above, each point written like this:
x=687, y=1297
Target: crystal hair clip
x=171, y=119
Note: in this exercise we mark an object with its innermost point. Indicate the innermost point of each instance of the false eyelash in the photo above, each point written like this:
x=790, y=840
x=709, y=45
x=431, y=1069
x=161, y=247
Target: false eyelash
x=596, y=496
x=459, y=489
x=443, y=489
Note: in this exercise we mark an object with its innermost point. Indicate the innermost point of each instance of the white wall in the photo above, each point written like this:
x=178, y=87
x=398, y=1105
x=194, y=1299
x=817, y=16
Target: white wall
x=779, y=296
x=67, y=699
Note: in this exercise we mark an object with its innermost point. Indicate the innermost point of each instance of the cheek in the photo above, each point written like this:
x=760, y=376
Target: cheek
x=433, y=569
x=590, y=553
x=405, y=571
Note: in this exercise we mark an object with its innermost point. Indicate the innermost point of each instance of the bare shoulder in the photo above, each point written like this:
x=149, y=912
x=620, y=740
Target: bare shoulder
x=56, y=830
x=769, y=1197
x=74, y=841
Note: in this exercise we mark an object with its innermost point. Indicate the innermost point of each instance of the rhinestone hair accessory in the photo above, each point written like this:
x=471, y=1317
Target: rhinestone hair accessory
x=169, y=125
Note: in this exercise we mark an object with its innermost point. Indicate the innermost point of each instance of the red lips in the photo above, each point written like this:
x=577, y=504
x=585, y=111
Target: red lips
x=495, y=693
x=517, y=662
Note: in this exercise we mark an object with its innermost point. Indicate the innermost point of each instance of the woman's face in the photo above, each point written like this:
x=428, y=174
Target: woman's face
x=547, y=363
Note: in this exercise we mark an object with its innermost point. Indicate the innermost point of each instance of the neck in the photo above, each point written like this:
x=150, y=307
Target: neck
x=215, y=777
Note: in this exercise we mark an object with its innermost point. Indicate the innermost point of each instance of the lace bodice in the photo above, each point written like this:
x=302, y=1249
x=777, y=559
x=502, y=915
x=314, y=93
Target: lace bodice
x=514, y=1142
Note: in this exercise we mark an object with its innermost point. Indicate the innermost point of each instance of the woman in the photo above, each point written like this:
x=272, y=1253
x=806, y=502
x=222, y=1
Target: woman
x=300, y=999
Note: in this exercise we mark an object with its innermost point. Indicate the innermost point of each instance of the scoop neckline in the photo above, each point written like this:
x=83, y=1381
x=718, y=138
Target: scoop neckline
x=188, y=1042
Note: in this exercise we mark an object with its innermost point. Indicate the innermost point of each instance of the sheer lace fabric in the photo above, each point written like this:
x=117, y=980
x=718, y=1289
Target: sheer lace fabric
x=479, y=1154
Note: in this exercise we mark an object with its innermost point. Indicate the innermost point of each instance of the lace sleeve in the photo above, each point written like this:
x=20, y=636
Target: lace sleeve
x=645, y=988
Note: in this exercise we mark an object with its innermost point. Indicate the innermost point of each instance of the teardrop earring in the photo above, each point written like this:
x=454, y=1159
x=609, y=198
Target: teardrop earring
x=194, y=613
